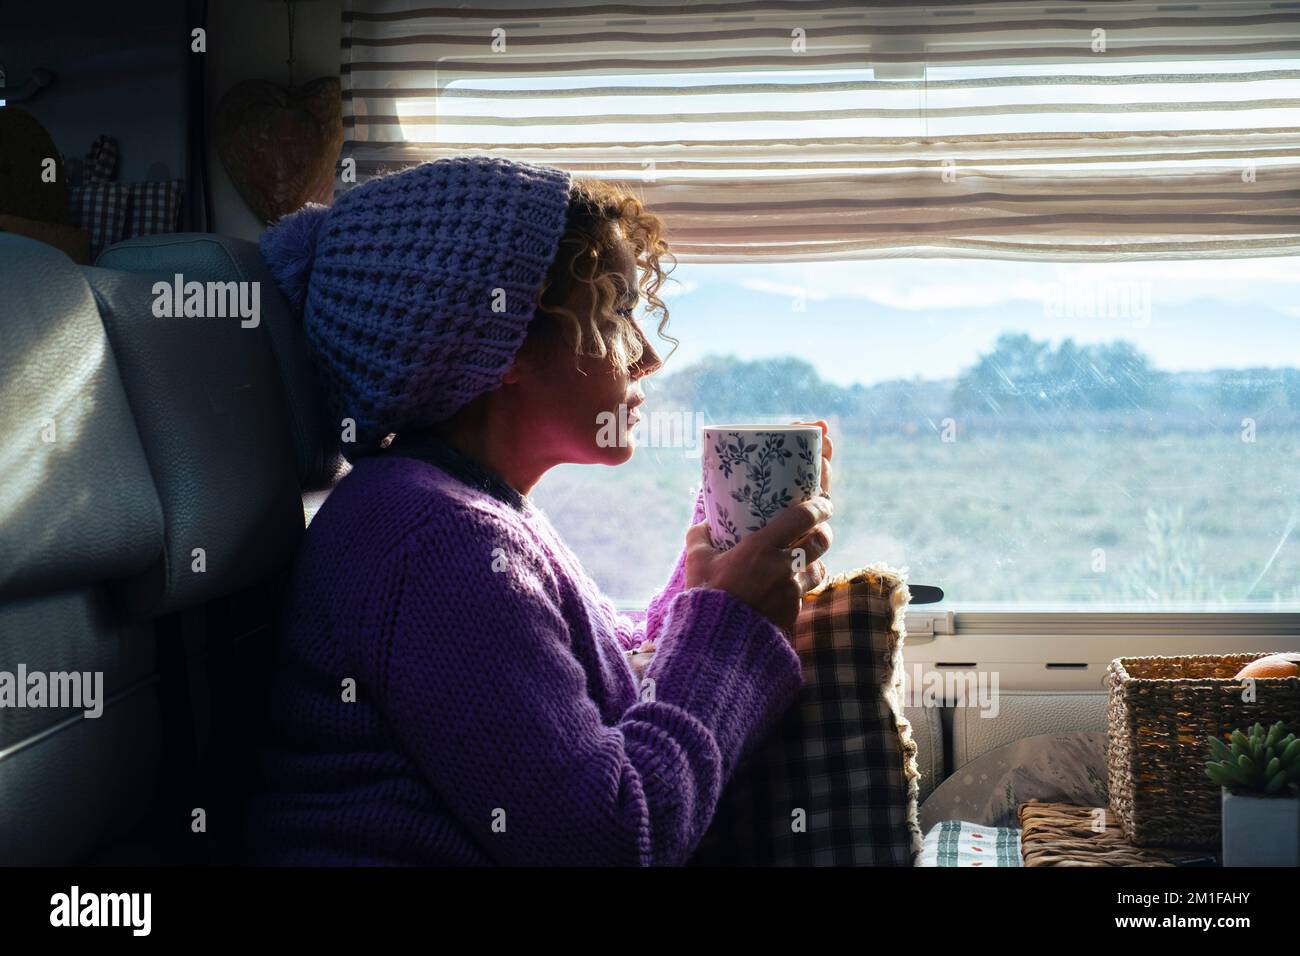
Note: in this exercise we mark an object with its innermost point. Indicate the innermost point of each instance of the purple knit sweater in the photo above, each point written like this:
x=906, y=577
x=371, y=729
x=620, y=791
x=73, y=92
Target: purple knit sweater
x=495, y=718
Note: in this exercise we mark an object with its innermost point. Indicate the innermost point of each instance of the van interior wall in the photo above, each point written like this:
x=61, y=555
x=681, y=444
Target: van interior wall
x=119, y=69
x=249, y=39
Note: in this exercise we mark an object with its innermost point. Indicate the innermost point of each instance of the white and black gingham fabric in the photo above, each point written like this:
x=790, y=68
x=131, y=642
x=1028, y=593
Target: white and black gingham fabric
x=100, y=209
x=111, y=211
x=99, y=205
x=841, y=760
x=101, y=161
x=153, y=208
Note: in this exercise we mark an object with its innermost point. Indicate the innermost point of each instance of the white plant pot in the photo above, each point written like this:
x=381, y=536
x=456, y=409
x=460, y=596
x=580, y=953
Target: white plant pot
x=1260, y=831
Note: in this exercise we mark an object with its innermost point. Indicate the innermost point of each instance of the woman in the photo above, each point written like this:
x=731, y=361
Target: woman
x=452, y=687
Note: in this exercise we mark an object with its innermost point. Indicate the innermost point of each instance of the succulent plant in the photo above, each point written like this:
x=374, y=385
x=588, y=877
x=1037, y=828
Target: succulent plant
x=1264, y=763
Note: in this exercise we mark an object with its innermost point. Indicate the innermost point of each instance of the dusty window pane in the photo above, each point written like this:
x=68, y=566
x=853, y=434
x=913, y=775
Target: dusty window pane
x=1031, y=434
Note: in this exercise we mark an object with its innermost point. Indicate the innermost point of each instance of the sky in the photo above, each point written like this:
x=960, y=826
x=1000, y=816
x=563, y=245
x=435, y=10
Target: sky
x=877, y=320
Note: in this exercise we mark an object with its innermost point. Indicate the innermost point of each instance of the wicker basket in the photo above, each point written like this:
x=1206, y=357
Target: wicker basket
x=1061, y=834
x=1160, y=714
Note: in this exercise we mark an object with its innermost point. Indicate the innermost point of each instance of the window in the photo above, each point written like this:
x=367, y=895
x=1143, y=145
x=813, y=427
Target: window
x=1038, y=269
x=1028, y=435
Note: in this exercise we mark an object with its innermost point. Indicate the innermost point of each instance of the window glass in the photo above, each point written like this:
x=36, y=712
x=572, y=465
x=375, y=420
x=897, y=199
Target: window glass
x=1027, y=434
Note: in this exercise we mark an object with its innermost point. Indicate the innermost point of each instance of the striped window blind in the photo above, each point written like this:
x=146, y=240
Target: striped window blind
x=823, y=130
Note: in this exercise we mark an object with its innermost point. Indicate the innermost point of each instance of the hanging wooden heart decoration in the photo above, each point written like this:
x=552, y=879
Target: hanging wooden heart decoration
x=280, y=144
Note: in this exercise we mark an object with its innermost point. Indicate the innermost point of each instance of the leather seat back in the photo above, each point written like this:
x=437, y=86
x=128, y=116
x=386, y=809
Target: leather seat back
x=202, y=257
x=151, y=480
x=208, y=403
x=78, y=511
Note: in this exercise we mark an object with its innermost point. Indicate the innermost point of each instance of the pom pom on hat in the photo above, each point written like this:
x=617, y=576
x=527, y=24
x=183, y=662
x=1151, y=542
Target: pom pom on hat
x=289, y=248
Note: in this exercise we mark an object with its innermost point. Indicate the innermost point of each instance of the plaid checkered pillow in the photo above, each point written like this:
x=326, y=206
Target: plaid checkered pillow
x=100, y=209
x=154, y=208
x=100, y=161
x=835, y=781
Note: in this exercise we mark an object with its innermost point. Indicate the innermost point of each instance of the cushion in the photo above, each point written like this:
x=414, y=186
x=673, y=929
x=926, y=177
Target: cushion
x=100, y=209
x=1062, y=768
x=154, y=208
x=835, y=781
x=101, y=161
x=961, y=843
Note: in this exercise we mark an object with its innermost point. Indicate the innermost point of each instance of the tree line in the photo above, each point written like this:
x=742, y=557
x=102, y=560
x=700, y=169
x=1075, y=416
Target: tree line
x=1020, y=382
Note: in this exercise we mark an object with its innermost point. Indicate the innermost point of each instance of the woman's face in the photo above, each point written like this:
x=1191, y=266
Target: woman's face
x=581, y=409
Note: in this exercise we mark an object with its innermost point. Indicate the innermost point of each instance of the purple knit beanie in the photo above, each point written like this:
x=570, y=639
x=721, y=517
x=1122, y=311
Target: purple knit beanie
x=417, y=287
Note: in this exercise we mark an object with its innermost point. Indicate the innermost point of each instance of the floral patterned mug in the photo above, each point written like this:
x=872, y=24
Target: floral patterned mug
x=754, y=472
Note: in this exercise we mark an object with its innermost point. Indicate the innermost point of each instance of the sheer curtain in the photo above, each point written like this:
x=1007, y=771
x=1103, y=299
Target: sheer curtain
x=823, y=130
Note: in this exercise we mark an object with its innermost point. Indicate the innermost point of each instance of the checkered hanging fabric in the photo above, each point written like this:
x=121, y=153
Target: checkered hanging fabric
x=99, y=205
x=153, y=207
x=100, y=209
x=109, y=211
x=835, y=782
x=101, y=161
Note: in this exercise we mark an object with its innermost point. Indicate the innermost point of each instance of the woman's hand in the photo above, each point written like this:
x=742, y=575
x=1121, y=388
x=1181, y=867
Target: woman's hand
x=826, y=453
x=763, y=570
x=820, y=570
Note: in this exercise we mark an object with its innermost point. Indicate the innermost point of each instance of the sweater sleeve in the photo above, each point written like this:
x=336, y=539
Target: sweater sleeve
x=658, y=606
x=480, y=685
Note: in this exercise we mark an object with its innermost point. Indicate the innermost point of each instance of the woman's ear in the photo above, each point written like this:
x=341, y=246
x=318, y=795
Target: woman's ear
x=526, y=356
x=532, y=359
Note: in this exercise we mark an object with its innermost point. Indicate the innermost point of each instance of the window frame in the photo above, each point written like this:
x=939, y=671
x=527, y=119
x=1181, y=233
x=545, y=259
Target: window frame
x=1065, y=624
x=1058, y=629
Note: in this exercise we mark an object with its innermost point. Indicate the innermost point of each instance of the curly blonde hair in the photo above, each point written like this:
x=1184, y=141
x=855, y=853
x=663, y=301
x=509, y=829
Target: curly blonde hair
x=601, y=215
